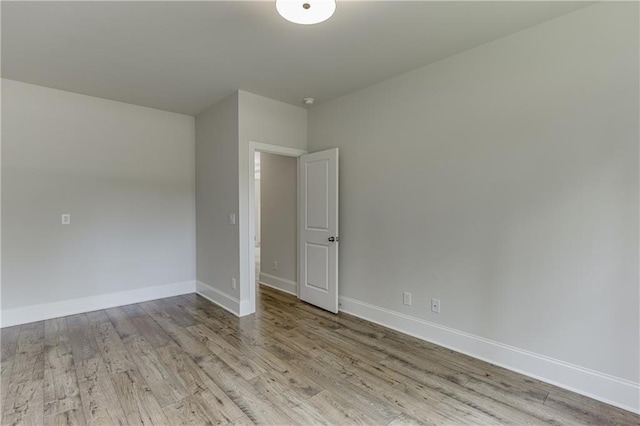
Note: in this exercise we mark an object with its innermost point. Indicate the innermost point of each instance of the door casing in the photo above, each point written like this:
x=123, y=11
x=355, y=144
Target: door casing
x=249, y=262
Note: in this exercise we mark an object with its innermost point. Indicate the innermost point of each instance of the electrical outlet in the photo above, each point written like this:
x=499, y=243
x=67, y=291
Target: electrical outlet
x=232, y=219
x=275, y=265
x=234, y=283
x=406, y=298
x=435, y=305
x=66, y=219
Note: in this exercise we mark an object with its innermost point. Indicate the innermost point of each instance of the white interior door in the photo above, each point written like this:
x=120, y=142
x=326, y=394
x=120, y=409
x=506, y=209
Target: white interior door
x=319, y=229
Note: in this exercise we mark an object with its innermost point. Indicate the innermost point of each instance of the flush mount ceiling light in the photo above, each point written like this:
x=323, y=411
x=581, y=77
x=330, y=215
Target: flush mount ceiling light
x=306, y=12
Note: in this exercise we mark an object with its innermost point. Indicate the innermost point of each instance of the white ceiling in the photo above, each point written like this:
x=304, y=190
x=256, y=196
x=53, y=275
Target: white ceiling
x=184, y=56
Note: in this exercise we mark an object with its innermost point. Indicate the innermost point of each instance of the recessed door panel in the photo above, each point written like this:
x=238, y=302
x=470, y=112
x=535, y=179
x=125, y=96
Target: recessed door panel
x=317, y=262
x=317, y=198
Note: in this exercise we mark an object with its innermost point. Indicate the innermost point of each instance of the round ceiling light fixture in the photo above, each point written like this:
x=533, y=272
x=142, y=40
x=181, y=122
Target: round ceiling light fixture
x=306, y=12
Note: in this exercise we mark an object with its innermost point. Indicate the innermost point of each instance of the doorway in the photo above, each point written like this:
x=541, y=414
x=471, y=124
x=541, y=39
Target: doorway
x=276, y=215
x=256, y=271
x=317, y=238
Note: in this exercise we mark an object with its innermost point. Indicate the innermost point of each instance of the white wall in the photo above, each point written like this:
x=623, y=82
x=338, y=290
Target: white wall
x=224, y=172
x=124, y=173
x=273, y=122
x=279, y=219
x=267, y=121
x=217, y=197
x=503, y=181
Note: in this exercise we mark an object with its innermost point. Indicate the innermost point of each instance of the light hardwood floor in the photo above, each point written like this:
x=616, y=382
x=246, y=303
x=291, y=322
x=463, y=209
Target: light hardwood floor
x=183, y=360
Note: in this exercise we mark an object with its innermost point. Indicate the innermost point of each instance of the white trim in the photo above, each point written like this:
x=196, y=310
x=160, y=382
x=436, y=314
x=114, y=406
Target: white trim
x=46, y=311
x=218, y=297
x=226, y=301
x=275, y=149
x=594, y=384
x=278, y=283
x=247, y=220
x=246, y=308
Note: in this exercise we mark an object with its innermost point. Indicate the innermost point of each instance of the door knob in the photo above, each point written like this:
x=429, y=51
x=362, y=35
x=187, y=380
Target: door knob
x=331, y=239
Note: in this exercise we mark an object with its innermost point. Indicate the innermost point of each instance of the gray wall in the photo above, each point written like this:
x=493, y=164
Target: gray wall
x=124, y=173
x=504, y=181
x=217, y=195
x=279, y=195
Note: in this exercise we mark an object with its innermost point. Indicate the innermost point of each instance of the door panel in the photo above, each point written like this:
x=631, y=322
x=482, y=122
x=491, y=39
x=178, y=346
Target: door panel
x=319, y=229
x=317, y=186
x=317, y=266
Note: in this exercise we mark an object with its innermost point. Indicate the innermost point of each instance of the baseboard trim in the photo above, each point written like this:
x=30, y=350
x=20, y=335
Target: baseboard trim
x=45, y=311
x=278, y=283
x=612, y=390
x=224, y=300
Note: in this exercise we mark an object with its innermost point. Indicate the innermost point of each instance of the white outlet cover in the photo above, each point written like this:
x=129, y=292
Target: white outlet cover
x=66, y=219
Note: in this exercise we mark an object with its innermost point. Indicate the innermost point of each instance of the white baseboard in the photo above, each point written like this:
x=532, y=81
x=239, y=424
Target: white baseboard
x=603, y=387
x=245, y=308
x=224, y=300
x=46, y=311
x=278, y=283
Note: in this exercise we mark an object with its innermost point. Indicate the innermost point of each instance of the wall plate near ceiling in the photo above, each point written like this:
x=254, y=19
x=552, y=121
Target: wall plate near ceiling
x=306, y=12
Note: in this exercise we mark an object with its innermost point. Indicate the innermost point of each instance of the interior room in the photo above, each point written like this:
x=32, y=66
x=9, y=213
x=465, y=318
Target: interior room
x=276, y=233
x=294, y=212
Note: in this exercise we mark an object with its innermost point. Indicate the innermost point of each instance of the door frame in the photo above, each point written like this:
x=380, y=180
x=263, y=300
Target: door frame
x=250, y=262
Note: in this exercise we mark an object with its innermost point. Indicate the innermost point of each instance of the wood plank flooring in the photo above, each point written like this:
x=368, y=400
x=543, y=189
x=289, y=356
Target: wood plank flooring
x=183, y=360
